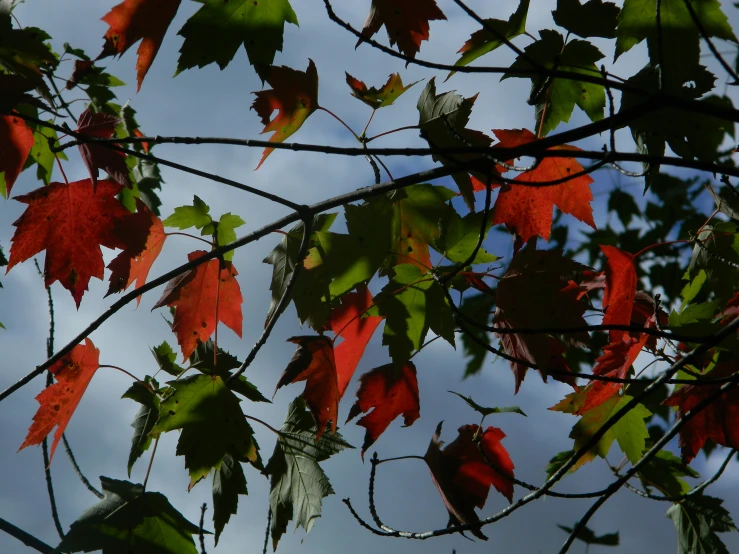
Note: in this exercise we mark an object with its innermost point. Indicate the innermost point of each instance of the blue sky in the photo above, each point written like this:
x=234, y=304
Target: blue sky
x=211, y=102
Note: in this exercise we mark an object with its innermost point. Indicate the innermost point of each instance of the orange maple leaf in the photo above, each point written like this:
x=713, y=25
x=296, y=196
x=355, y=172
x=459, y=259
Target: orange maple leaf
x=16, y=141
x=406, y=22
x=528, y=209
x=71, y=222
x=202, y=297
x=388, y=393
x=59, y=401
x=462, y=476
x=134, y=20
x=347, y=322
x=314, y=363
x=294, y=94
x=134, y=263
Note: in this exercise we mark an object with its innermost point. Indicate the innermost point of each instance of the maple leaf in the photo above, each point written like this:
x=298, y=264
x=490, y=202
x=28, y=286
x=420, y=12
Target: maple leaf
x=228, y=483
x=556, y=98
x=258, y=26
x=347, y=322
x=212, y=425
x=388, y=393
x=58, y=402
x=443, y=119
x=620, y=291
x=133, y=264
x=697, y=521
x=483, y=40
x=528, y=209
x=202, y=297
x=314, y=363
x=16, y=141
x=298, y=485
x=462, y=476
x=534, y=279
x=378, y=98
x=128, y=519
x=101, y=125
x=71, y=222
x=145, y=418
x=294, y=94
x=630, y=431
x=134, y=20
x=595, y=18
x=406, y=22
x=715, y=422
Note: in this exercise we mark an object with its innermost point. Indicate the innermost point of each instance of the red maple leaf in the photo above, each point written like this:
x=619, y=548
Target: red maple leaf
x=388, y=392
x=16, y=141
x=717, y=421
x=528, y=209
x=620, y=291
x=534, y=279
x=314, y=363
x=59, y=401
x=134, y=263
x=294, y=94
x=71, y=222
x=134, y=20
x=378, y=98
x=347, y=322
x=619, y=301
x=202, y=297
x=406, y=22
x=97, y=156
x=462, y=476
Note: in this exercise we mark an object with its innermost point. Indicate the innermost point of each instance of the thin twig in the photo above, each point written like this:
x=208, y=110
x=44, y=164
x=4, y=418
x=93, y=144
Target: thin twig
x=266, y=531
x=284, y=300
x=201, y=530
x=26, y=538
x=77, y=469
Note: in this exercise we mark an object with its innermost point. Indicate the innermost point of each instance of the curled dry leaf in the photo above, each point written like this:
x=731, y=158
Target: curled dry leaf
x=462, y=476
x=314, y=363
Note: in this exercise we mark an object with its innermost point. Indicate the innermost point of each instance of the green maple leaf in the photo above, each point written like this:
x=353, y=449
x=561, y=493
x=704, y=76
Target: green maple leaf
x=458, y=237
x=664, y=472
x=146, y=176
x=218, y=29
x=41, y=153
x=483, y=41
x=144, y=420
x=697, y=520
x=624, y=205
x=630, y=431
x=212, y=424
x=184, y=217
x=555, y=99
x=480, y=308
x=129, y=520
x=298, y=485
x=443, y=119
x=311, y=289
x=165, y=357
x=23, y=51
x=678, y=35
x=228, y=483
x=595, y=18
x=412, y=303
x=587, y=536
x=202, y=360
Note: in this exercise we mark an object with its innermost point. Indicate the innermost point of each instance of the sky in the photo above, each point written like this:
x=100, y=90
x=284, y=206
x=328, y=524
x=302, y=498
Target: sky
x=211, y=102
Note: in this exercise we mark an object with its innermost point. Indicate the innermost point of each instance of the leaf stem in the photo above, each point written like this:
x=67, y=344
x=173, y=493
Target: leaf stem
x=131, y=375
x=59, y=163
x=337, y=118
x=151, y=460
x=189, y=236
x=406, y=128
x=267, y=425
x=652, y=246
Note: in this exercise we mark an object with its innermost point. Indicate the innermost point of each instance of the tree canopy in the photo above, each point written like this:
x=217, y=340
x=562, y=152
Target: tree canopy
x=595, y=243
